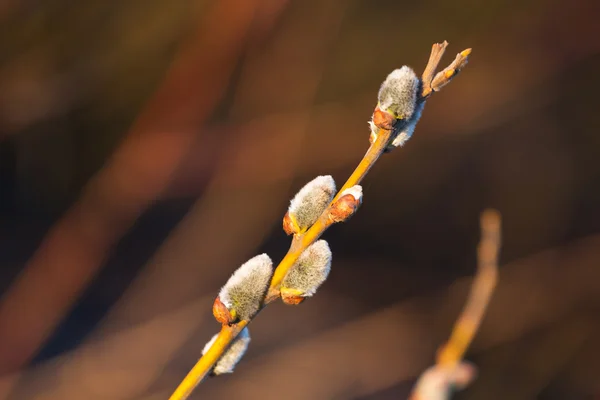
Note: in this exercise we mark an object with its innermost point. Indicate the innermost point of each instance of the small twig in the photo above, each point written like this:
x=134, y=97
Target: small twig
x=437, y=51
x=444, y=77
x=299, y=244
x=483, y=286
x=451, y=372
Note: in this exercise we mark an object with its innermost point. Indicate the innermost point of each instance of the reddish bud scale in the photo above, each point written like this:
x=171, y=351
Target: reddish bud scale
x=383, y=119
x=343, y=208
x=221, y=313
x=291, y=299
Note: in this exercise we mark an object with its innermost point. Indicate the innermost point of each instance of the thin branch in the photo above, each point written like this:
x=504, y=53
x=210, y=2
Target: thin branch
x=206, y=362
x=483, y=286
x=300, y=243
x=437, y=51
x=450, y=371
x=444, y=77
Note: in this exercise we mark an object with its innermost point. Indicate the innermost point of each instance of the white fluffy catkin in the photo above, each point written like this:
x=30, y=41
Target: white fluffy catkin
x=310, y=202
x=310, y=270
x=407, y=131
x=398, y=93
x=246, y=288
x=232, y=355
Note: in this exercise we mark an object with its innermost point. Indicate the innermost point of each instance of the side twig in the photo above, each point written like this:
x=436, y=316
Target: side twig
x=444, y=77
x=437, y=52
x=387, y=128
x=450, y=371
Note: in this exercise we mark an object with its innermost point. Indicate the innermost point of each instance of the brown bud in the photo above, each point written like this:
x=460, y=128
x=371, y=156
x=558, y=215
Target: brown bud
x=383, y=119
x=291, y=296
x=346, y=205
x=222, y=314
x=292, y=300
x=289, y=226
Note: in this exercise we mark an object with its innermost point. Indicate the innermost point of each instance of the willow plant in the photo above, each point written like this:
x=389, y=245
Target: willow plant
x=317, y=206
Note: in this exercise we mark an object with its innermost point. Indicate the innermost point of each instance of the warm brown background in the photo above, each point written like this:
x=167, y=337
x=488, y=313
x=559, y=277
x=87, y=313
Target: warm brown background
x=147, y=148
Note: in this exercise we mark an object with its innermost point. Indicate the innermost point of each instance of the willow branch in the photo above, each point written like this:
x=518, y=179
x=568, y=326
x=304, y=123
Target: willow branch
x=451, y=372
x=300, y=243
x=483, y=286
x=444, y=77
x=206, y=362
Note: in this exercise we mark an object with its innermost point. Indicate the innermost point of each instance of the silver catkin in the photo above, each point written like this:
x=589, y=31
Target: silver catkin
x=310, y=270
x=310, y=202
x=246, y=288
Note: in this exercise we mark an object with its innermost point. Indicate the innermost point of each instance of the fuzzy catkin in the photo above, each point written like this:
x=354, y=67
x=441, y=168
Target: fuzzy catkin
x=232, y=355
x=310, y=270
x=356, y=192
x=398, y=93
x=246, y=288
x=310, y=202
x=406, y=132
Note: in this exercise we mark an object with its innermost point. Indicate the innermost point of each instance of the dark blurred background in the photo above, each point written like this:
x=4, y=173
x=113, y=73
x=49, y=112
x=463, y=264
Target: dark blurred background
x=148, y=148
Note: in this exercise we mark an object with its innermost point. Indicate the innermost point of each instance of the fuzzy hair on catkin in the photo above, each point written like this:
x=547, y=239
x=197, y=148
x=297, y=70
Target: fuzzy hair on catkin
x=232, y=355
x=310, y=270
x=407, y=131
x=398, y=93
x=246, y=288
x=310, y=202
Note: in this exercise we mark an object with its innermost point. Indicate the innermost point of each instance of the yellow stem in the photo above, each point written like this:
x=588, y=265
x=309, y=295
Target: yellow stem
x=299, y=244
x=482, y=288
x=207, y=361
x=309, y=237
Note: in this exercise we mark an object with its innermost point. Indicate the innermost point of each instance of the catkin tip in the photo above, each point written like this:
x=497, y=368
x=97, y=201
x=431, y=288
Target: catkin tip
x=308, y=204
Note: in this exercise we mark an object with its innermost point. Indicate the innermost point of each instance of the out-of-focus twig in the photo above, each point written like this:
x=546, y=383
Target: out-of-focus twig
x=450, y=372
x=437, y=52
x=135, y=176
